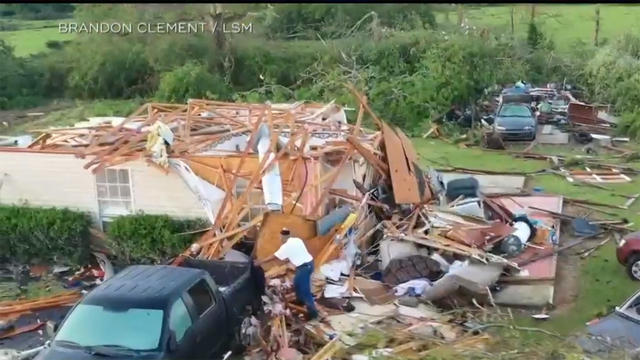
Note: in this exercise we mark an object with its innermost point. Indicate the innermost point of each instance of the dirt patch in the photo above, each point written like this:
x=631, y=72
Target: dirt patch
x=567, y=285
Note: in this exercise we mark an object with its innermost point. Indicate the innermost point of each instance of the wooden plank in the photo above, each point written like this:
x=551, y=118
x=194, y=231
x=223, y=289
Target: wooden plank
x=328, y=350
x=356, y=129
x=412, y=156
x=363, y=101
x=404, y=182
x=229, y=194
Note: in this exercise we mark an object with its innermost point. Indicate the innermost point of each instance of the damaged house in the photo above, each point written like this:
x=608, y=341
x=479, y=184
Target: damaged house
x=103, y=169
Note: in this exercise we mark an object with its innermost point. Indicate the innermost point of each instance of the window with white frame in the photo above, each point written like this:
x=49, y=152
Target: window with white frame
x=255, y=200
x=114, y=193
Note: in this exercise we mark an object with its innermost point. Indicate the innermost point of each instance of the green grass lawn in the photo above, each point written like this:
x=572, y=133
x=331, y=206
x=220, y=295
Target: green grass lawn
x=75, y=112
x=564, y=23
x=603, y=282
x=32, y=35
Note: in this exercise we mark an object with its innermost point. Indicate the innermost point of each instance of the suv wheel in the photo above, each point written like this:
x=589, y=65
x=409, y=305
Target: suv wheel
x=633, y=267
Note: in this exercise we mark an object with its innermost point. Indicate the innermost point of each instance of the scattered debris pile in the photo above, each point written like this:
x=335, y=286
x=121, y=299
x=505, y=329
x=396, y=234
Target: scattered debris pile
x=389, y=239
x=558, y=113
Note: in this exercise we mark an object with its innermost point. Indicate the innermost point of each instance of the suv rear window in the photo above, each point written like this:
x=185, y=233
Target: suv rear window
x=201, y=295
x=515, y=110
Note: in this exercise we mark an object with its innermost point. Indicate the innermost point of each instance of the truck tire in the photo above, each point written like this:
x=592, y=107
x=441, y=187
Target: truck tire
x=633, y=267
x=237, y=347
x=237, y=344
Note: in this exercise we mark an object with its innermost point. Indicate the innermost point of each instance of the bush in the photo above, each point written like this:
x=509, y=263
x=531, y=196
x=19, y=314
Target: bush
x=44, y=234
x=54, y=44
x=630, y=124
x=146, y=238
x=191, y=81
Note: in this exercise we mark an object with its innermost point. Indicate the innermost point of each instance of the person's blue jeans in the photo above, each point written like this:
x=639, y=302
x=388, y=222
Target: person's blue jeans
x=302, y=286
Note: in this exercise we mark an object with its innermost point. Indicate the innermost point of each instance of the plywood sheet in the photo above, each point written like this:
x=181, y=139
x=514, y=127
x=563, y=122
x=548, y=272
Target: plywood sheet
x=403, y=179
x=375, y=292
x=269, y=235
x=525, y=295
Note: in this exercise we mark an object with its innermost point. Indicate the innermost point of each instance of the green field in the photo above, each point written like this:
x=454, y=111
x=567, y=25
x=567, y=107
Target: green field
x=564, y=23
x=31, y=36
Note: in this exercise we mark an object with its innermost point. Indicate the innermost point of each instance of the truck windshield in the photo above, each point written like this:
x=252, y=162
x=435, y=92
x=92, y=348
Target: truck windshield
x=93, y=325
x=515, y=110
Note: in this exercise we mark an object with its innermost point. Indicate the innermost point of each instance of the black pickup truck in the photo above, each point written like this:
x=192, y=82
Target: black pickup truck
x=193, y=311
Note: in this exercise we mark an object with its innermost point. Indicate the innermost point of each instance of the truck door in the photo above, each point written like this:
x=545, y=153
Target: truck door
x=180, y=325
x=209, y=326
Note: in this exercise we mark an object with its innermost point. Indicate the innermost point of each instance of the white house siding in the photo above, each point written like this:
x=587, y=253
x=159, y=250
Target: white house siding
x=157, y=193
x=59, y=180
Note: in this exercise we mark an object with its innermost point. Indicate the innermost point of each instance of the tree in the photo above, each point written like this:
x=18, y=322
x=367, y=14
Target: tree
x=535, y=38
x=597, y=32
x=512, y=23
x=109, y=68
x=20, y=80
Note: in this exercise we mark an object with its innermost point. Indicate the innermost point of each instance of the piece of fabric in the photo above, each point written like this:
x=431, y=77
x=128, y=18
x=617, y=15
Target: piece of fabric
x=302, y=286
x=294, y=251
x=418, y=286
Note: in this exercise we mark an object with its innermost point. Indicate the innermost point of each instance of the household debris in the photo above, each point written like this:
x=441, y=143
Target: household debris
x=388, y=237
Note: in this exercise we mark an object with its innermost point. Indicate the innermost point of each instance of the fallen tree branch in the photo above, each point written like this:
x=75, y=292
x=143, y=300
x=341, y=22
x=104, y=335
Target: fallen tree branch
x=520, y=328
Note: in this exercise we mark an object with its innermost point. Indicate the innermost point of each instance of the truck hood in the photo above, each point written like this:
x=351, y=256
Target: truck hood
x=616, y=330
x=63, y=353
x=514, y=122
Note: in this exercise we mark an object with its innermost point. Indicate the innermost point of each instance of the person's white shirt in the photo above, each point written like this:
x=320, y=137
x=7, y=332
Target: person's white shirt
x=295, y=251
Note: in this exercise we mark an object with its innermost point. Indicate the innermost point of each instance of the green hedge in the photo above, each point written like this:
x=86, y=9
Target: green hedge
x=143, y=238
x=44, y=234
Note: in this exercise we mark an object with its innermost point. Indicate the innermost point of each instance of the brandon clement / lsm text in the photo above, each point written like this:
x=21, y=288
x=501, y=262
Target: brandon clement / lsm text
x=155, y=28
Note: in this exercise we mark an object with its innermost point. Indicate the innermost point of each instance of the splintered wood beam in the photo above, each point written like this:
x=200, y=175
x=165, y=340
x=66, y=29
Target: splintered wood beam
x=260, y=170
x=380, y=166
x=356, y=129
x=334, y=177
x=251, y=141
x=362, y=99
x=106, y=152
